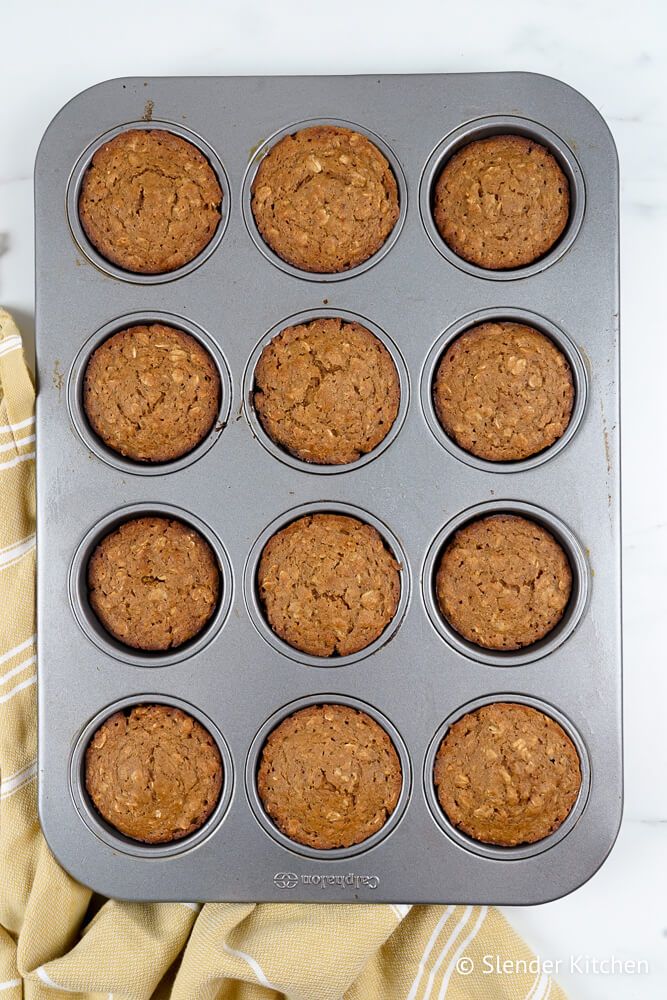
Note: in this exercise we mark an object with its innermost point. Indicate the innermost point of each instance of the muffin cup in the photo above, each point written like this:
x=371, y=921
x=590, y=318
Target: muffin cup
x=265, y=821
x=93, y=627
x=483, y=128
x=281, y=453
x=496, y=852
x=266, y=250
x=498, y=315
x=573, y=611
x=254, y=603
x=108, y=834
x=74, y=190
x=75, y=386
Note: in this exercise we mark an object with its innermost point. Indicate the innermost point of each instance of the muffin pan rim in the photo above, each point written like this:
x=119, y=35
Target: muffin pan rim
x=574, y=610
x=73, y=191
x=253, y=602
x=93, y=628
x=543, y=325
x=482, y=128
x=280, y=453
x=255, y=801
x=77, y=374
x=104, y=830
x=498, y=852
x=253, y=230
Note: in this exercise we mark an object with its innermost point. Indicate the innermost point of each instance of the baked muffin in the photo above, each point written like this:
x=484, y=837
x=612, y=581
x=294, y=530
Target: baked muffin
x=154, y=773
x=503, y=391
x=328, y=583
x=503, y=582
x=325, y=199
x=327, y=391
x=507, y=774
x=329, y=776
x=153, y=583
x=501, y=202
x=150, y=201
x=151, y=393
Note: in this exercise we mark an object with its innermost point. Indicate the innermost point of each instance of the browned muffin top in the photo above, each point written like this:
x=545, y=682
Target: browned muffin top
x=501, y=202
x=153, y=583
x=329, y=776
x=150, y=201
x=154, y=773
x=503, y=391
x=151, y=393
x=327, y=391
x=325, y=199
x=507, y=774
x=329, y=584
x=503, y=582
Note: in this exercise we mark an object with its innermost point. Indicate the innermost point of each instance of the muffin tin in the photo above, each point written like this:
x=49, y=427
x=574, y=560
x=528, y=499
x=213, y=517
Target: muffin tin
x=237, y=487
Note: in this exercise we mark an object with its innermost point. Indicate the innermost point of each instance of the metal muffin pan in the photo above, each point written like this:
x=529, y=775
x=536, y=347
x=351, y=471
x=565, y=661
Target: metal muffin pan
x=237, y=677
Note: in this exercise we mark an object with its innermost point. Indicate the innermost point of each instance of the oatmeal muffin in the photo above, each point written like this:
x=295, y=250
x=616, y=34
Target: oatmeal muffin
x=507, y=774
x=325, y=199
x=150, y=201
x=503, y=391
x=154, y=773
x=151, y=393
x=153, y=583
x=327, y=391
x=501, y=202
x=329, y=776
x=503, y=582
x=328, y=584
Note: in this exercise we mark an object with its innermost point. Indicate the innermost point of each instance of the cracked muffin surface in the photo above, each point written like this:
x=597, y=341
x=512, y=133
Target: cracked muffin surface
x=503, y=582
x=153, y=583
x=329, y=776
x=151, y=393
x=325, y=199
x=328, y=584
x=501, y=202
x=150, y=201
x=327, y=391
x=503, y=391
x=154, y=773
x=507, y=774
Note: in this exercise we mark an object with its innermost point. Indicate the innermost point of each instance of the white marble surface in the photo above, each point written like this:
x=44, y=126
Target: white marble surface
x=613, y=53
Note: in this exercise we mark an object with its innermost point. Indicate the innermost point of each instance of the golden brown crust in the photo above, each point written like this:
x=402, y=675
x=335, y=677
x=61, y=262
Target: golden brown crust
x=153, y=583
x=150, y=201
x=151, y=393
x=329, y=776
x=501, y=202
x=328, y=584
x=503, y=391
x=507, y=774
x=503, y=582
x=325, y=199
x=327, y=391
x=154, y=773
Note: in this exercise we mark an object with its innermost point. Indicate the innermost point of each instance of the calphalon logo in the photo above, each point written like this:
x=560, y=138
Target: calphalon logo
x=290, y=880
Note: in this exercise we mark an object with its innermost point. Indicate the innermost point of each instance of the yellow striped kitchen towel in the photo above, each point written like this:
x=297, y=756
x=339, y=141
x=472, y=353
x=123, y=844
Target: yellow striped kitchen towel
x=58, y=939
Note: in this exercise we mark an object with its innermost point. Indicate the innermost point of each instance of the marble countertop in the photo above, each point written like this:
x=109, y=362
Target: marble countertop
x=614, y=54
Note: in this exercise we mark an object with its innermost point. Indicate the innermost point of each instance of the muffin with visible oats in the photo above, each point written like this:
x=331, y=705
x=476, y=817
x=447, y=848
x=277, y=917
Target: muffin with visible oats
x=507, y=774
x=150, y=201
x=329, y=776
x=501, y=202
x=154, y=583
x=325, y=199
x=154, y=773
x=503, y=582
x=151, y=393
